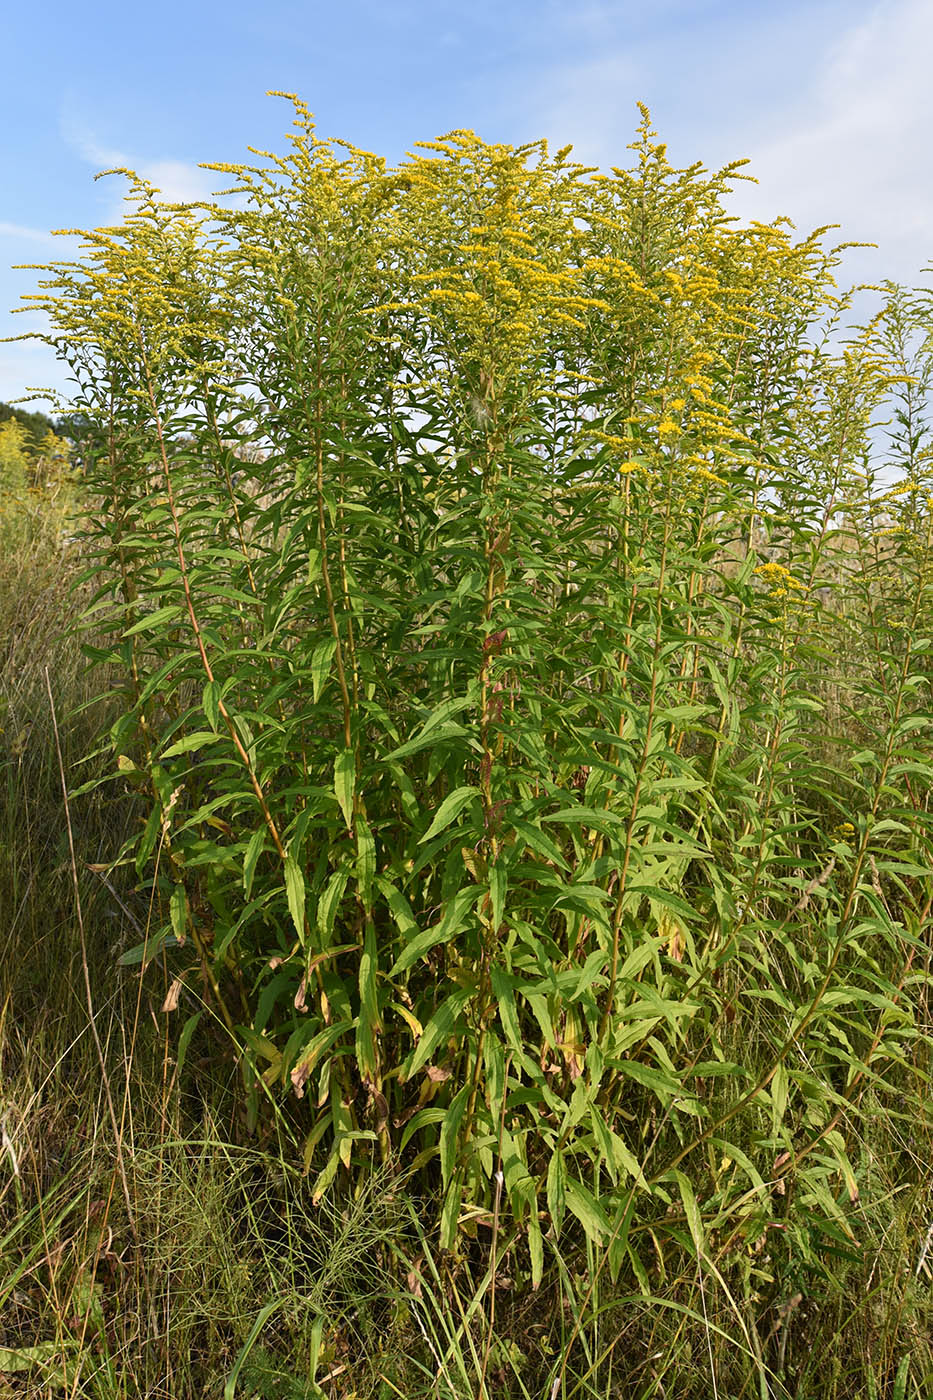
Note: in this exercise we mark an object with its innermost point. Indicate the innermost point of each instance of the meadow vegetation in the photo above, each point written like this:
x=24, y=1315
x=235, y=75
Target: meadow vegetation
x=467, y=861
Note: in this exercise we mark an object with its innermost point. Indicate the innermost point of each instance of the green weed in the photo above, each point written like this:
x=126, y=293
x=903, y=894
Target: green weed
x=515, y=691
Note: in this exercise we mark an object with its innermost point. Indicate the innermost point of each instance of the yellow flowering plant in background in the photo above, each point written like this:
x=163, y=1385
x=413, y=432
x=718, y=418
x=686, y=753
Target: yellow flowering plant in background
x=36, y=488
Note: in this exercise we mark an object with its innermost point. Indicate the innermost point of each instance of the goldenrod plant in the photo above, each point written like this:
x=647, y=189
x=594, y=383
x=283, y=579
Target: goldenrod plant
x=515, y=617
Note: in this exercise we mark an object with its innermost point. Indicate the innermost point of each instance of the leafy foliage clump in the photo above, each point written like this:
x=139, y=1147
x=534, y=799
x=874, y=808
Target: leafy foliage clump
x=529, y=675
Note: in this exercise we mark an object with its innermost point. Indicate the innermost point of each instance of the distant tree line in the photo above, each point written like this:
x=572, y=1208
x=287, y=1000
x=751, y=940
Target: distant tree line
x=36, y=424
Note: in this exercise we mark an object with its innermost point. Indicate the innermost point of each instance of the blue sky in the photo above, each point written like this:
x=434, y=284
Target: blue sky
x=830, y=99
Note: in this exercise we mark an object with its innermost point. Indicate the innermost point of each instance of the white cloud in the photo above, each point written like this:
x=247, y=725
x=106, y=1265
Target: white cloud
x=26, y=235
x=857, y=150
x=81, y=140
x=179, y=181
x=833, y=106
x=587, y=103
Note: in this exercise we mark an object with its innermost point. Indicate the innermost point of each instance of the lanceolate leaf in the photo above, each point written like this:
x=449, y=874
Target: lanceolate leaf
x=449, y=810
x=344, y=778
x=691, y=1210
x=321, y=660
x=295, y=889
x=438, y=1029
x=449, y=926
x=583, y=1204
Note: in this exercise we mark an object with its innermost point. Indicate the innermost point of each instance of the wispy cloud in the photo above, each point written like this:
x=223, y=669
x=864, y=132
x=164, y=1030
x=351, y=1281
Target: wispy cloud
x=857, y=151
x=836, y=121
x=86, y=145
x=25, y=234
x=591, y=104
x=178, y=180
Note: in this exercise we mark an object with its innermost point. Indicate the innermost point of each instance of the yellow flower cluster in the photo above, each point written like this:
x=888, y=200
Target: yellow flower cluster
x=497, y=274
x=782, y=581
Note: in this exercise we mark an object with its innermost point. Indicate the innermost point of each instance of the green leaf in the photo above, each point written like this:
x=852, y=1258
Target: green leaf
x=664, y=897
x=365, y=861
x=399, y=906
x=664, y=1085
x=556, y=1189
x=639, y=1270
x=503, y=987
x=539, y=1009
x=583, y=1204
x=449, y=810
x=321, y=659
x=596, y=817
x=311, y=1053
x=184, y=1040
x=210, y=701
x=295, y=891
x=452, y=922
x=498, y=889
x=535, y=1247
x=262, y=1318
x=190, y=742
x=424, y=1118
x=450, y=1130
x=439, y=1029
x=539, y=842
x=329, y=902
x=344, y=780
x=779, y=1088
x=14, y=1359
x=640, y=956
x=450, y=1215
x=254, y=849
x=692, y=1211
x=178, y=910
x=368, y=1023
x=144, y=952
x=155, y=620
x=422, y=741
